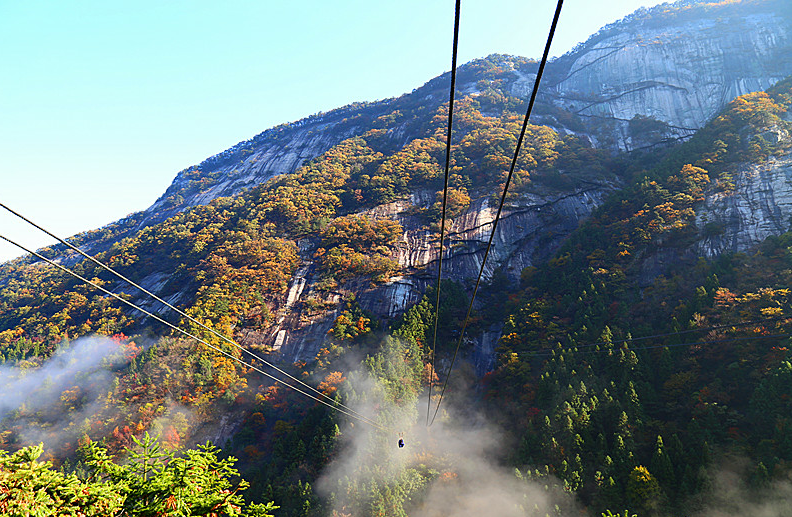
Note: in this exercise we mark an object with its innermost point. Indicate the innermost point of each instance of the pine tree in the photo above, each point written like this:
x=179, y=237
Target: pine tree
x=661, y=465
x=643, y=491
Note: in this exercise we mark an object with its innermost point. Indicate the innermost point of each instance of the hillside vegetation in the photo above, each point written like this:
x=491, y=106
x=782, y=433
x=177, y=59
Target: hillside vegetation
x=628, y=373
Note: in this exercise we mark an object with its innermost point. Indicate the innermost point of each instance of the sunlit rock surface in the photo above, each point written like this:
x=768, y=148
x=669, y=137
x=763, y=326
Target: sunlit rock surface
x=759, y=206
x=680, y=74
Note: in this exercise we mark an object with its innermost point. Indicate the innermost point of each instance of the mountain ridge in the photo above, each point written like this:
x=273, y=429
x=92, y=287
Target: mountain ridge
x=606, y=110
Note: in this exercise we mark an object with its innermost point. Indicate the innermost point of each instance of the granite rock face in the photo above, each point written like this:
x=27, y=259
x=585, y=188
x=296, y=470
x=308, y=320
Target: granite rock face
x=280, y=150
x=678, y=74
x=530, y=230
x=759, y=206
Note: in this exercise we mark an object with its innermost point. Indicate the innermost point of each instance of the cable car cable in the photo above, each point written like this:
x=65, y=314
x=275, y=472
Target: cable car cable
x=503, y=196
x=172, y=307
x=445, y=197
x=203, y=342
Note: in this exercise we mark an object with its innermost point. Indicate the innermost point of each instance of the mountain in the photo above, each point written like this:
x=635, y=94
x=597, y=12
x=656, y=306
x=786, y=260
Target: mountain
x=656, y=76
x=632, y=325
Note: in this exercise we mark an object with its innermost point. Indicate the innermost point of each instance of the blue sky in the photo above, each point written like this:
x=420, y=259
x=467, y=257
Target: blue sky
x=103, y=102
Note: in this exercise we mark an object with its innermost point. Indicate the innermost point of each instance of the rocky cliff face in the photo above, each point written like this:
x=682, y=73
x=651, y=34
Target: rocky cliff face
x=530, y=231
x=759, y=206
x=679, y=72
x=280, y=150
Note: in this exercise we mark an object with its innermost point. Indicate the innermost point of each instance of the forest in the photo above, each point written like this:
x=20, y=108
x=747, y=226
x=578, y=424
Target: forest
x=620, y=386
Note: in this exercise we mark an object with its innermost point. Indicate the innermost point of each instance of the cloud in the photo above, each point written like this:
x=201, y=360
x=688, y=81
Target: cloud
x=731, y=497
x=49, y=403
x=460, y=452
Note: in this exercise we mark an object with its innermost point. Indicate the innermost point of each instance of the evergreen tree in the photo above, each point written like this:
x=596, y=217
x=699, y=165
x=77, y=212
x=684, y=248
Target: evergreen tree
x=151, y=483
x=661, y=465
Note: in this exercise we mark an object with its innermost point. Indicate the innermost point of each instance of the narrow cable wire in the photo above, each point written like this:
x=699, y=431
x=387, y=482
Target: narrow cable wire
x=680, y=332
x=188, y=334
x=503, y=197
x=548, y=353
x=445, y=197
x=176, y=309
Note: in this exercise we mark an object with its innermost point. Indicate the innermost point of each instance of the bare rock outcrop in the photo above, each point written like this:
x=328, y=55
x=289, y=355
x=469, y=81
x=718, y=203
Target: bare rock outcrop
x=679, y=73
x=760, y=205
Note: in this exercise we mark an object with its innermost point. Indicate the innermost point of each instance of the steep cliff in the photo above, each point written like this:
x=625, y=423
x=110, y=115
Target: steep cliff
x=530, y=230
x=677, y=65
x=280, y=150
x=759, y=206
x=748, y=197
